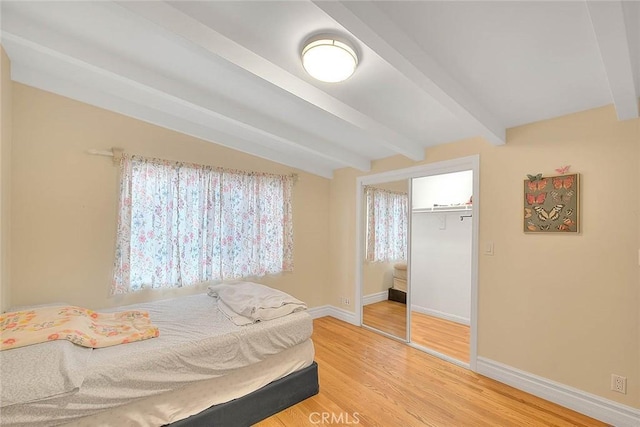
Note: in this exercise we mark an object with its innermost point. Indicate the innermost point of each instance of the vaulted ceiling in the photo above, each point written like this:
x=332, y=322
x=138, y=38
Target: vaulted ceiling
x=430, y=72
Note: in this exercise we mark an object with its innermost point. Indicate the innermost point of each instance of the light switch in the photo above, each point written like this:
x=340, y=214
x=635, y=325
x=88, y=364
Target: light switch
x=443, y=222
x=488, y=248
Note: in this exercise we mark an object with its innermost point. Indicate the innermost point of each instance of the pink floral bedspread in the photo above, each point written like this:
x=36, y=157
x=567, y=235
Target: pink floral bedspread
x=79, y=325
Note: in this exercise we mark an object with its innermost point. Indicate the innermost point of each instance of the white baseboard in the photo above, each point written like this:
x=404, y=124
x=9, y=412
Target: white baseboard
x=441, y=314
x=329, y=310
x=597, y=407
x=322, y=311
x=374, y=298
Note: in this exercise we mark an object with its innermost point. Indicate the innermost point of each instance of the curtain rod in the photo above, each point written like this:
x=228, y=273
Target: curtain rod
x=101, y=153
x=116, y=153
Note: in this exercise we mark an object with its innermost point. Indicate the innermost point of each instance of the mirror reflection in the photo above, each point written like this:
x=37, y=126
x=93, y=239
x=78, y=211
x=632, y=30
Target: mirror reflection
x=441, y=257
x=384, y=269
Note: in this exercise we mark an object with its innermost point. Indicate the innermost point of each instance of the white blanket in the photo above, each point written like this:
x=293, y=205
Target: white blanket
x=251, y=302
x=26, y=372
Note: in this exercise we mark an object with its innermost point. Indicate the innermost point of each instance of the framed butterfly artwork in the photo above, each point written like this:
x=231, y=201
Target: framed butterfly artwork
x=552, y=204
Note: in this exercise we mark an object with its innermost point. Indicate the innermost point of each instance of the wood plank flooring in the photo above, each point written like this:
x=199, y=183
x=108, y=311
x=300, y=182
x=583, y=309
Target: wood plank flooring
x=367, y=379
x=386, y=316
x=441, y=335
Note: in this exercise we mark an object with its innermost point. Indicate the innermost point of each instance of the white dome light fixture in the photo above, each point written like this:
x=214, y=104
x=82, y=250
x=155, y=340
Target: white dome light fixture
x=329, y=59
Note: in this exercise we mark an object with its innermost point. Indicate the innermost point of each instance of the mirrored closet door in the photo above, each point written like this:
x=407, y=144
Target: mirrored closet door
x=420, y=285
x=384, y=266
x=441, y=257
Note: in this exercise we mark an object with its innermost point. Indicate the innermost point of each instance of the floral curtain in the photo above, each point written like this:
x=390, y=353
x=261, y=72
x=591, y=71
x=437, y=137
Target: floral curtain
x=386, y=225
x=180, y=224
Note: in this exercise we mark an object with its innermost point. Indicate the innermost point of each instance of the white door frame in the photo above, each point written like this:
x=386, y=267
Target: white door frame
x=436, y=168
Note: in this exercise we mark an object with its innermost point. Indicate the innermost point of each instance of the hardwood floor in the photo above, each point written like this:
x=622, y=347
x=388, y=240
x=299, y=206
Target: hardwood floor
x=441, y=335
x=367, y=379
x=387, y=316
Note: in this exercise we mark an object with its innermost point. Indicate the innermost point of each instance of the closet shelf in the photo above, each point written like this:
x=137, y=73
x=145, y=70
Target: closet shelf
x=436, y=209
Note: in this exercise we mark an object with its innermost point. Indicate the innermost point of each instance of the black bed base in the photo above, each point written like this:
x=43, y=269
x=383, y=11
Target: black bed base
x=260, y=404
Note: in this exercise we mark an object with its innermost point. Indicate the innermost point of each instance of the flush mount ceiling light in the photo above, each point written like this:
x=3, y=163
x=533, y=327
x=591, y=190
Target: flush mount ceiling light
x=329, y=59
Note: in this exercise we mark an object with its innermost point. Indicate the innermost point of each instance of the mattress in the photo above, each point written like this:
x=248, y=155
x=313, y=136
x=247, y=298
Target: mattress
x=194, y=398
x=196, y=343
x=400, y=271
x=400, y=284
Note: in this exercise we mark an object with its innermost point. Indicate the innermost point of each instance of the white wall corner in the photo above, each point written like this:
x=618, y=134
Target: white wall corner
x=338, y=313
x=442, y=315
x=374, y=298
x=597, y=407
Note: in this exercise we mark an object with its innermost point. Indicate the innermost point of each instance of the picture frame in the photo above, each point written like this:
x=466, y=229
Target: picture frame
x=552, y=204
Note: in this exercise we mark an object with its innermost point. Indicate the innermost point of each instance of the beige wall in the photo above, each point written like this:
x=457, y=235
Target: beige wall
x=564, y=307
x=342, y=241
x=65, y=202
x=5, y=179
x=376, y=277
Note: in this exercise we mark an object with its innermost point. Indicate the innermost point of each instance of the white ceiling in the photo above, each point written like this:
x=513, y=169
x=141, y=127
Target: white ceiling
x=430, y=72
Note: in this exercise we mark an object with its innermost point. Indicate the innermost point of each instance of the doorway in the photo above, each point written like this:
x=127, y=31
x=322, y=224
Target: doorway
x=412, y=318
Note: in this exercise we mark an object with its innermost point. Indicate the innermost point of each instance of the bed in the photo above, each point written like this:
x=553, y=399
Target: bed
x=174, y=379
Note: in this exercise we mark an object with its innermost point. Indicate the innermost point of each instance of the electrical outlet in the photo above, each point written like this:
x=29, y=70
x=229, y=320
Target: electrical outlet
x=619, y=383
x=346, y=301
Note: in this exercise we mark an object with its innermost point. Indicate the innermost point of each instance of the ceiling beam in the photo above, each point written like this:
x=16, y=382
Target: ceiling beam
x=368, y=24
x=202, y=37
x=89, y=94
x=607, y=19
x=174, y=98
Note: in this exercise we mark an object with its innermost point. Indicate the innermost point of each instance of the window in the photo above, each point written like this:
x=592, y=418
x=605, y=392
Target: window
x=181, y=224
x=386, y=225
